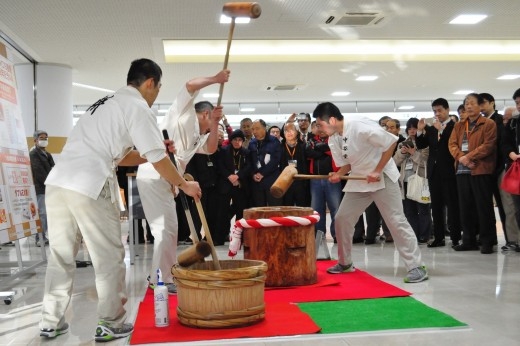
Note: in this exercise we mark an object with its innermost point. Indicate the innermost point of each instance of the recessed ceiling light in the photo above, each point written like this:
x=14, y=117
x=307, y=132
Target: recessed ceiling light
x=247, y=109
x=406, y=107
x=92, y=87
x=340, y=93
x=367, y=78
x=509, y=76
x=210, y=95
x=463, y=92
x=239, y=20
x=468, y=19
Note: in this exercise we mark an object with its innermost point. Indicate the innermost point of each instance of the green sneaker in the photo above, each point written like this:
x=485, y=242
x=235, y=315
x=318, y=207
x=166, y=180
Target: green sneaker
x=340, y=268
x=104, y=332
x=52, y=333
x=151, y=285
x=416, y=275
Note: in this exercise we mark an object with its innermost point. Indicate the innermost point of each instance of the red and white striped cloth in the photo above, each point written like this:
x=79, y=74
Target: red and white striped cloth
x=235, y=237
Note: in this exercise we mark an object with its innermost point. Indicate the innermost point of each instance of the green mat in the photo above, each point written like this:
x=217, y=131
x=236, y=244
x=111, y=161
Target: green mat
x=346, y=316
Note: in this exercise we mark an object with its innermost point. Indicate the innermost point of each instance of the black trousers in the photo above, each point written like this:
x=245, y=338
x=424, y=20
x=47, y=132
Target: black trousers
x=476, y=208
x=444, y=195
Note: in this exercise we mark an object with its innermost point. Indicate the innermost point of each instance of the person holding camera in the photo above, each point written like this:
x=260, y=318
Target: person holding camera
x=411, y=160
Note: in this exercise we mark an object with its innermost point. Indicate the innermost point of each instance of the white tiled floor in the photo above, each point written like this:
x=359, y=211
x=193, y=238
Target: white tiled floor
x=480, y=290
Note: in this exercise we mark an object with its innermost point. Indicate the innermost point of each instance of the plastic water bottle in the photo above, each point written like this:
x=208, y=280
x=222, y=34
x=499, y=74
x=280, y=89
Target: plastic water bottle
x=160, y=299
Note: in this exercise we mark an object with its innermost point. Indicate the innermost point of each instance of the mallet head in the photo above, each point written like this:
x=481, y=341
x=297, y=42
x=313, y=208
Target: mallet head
x=242, y=9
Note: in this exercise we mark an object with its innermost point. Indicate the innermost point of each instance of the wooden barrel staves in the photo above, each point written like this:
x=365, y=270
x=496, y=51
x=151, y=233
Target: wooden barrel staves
x=230, y=297
x=288, y=251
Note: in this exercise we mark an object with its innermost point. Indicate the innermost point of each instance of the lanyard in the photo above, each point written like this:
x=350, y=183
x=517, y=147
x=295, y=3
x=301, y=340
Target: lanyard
x=236, y=159
x=289, y=150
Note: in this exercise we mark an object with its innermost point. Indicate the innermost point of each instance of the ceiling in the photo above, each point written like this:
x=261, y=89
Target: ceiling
x=99, y=39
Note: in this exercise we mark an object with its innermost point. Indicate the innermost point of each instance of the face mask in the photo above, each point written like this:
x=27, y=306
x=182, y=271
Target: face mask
x=43, y=143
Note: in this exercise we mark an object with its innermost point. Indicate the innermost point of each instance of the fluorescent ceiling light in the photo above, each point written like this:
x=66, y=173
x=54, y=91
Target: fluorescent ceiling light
x=162, y=111
x=207, y=51
x=468, y=19
x=239, y=20
x=92, y=87
x=340, y=93
x=210, y=95
x=509, y=76
x=247, y=109
x=367, y=78
x=78, y=112
x=406, y=107
x=463, y=92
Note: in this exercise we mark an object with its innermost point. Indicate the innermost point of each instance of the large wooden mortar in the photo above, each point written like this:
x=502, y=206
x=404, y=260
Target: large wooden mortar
x=230, y=297
x=289, y=251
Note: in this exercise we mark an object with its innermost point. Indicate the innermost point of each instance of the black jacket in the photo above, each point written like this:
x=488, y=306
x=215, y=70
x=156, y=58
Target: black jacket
x=440, y=158
x=41, y=164
x=226, y=167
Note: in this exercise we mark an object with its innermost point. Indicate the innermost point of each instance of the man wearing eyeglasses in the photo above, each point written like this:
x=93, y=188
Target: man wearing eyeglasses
x=303, y=124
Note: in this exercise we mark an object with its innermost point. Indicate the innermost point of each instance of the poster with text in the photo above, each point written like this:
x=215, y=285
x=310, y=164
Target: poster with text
x=18, y=205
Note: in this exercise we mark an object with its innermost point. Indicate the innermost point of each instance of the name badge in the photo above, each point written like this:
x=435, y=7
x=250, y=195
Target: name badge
x=464, y=147
x=292, y=162
x=409, y=165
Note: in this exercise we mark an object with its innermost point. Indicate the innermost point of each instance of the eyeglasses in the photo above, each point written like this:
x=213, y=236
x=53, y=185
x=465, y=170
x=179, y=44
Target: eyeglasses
x=307, y=120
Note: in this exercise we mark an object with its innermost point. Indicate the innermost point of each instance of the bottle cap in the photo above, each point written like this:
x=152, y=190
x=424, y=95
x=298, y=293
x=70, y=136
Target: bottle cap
x=160, y=281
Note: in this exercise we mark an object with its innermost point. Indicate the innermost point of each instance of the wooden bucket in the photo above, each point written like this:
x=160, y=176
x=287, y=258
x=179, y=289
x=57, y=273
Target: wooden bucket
x=289, y=251
x=230, y=297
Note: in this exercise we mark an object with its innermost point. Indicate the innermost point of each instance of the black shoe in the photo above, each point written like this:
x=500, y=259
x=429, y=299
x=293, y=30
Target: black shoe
x=486, y=249
x=370, y=242
x=422, y=241
x=454, y=243
x=335, y=240
x=354, y=241
x=464, y=247
x=436, y=243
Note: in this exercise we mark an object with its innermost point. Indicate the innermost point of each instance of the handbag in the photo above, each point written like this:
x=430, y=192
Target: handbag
x=511, y=181
x=418, y=189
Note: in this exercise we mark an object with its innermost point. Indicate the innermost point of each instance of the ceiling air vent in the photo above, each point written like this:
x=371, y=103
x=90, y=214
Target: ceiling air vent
x=358, y=19
x=283, y=87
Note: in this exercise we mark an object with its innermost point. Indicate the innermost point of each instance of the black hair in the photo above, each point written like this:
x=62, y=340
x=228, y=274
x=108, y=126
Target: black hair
x=274, y=127
x=516, y=94
x=244, y=120
x=141, y=70
x=326, y=110
x=460, y=107
x=441, y=102
x=486, y=97
x=203, y=106
x=385, y=117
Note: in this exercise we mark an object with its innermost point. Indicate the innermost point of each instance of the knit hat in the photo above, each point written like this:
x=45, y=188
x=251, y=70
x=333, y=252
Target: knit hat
x=37, y=133
x=237, y=134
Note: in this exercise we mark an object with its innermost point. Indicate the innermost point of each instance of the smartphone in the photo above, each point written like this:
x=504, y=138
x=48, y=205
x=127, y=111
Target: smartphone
x=429, y=121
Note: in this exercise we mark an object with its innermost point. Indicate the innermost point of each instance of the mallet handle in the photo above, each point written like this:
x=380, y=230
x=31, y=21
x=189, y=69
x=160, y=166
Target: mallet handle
x=226, y=59
x=311, y=176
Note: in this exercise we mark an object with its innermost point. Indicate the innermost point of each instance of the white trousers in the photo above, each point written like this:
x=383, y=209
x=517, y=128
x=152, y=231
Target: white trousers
x=159, y=208
x=70, y=216
x=389, y=203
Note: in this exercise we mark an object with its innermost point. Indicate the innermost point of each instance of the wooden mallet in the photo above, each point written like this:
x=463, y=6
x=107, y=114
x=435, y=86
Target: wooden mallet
x=234, y=10
x=286, y=178
x=199, y=250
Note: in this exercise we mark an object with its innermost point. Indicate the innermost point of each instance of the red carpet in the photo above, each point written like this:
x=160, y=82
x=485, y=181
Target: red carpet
x=275, y=324
x=279, y=310
x=356, y=285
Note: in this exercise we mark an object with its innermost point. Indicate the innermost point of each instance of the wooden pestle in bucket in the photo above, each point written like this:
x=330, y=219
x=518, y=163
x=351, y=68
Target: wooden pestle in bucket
x=216, y=263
